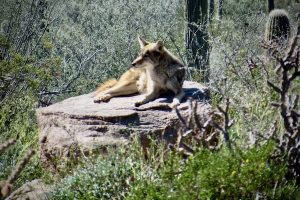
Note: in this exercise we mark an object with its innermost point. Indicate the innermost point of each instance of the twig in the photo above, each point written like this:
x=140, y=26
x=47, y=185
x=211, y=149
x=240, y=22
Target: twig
x=7, y=144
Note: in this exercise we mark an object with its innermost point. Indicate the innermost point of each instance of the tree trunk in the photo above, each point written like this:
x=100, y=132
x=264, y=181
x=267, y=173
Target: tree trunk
x=271, y=5
x=211, y=10
x=196, y=36
x=220, y=10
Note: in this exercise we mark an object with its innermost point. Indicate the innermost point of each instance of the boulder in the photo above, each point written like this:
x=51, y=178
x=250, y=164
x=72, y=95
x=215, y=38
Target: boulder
x=78, y=125
x=33, y=190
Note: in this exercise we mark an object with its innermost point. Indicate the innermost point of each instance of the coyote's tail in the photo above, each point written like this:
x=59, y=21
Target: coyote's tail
x=106, y=85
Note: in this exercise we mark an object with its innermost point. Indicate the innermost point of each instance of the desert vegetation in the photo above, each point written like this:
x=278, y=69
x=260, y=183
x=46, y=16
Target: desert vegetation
x=246, y=52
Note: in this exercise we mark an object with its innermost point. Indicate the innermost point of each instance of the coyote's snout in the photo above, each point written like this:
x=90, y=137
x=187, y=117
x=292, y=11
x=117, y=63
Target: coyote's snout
x=154, y=71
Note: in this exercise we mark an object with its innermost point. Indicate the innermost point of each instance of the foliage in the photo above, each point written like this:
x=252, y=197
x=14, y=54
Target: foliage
x=25, y=67
x=217, y=175
x=17, y=120
x=98, y=41
x=6, y=186
x=106, y=177
x=206, y=175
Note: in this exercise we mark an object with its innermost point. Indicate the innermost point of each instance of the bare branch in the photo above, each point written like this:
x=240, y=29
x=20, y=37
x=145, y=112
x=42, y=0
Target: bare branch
x=7, y=144
x=276, y=88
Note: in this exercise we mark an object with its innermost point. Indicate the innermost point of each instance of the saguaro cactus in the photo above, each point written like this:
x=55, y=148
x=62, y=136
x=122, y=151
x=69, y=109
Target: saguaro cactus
x=196, y=35
x=271, y=5
x=278, y=26
x=211, y=10
x=220, y=10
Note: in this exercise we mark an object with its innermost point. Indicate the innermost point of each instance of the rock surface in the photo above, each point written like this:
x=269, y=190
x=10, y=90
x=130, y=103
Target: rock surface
x=34, y=190
x=79, y=123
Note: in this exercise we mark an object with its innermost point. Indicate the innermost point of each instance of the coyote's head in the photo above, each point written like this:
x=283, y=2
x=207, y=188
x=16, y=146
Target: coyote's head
x=150, y=53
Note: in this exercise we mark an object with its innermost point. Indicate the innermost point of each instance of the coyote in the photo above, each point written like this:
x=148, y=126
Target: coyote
x=154, y=71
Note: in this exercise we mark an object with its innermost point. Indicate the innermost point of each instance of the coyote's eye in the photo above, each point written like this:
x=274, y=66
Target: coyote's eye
x=147, y=54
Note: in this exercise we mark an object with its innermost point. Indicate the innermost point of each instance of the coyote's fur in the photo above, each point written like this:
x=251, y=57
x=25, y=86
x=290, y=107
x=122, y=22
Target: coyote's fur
x=154, y=71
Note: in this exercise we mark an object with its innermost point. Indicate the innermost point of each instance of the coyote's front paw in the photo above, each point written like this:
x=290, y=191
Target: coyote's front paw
x=102, y=98
x=174, y=105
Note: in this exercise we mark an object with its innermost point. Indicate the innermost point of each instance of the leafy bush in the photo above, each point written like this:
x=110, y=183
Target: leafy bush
x=208, y=174
x=106, y=177
x=17, y=120
x=218, y=175
x=25, y=67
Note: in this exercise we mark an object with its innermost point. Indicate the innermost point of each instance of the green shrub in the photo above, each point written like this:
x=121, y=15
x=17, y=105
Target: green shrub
x=105, y=178
x=109, y=176
x=208, y=174
x=218, y=175
x=17, y=120
x=21, y=79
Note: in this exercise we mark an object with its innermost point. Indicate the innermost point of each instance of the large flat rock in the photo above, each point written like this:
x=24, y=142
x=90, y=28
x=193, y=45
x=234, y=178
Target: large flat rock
x=78, y=123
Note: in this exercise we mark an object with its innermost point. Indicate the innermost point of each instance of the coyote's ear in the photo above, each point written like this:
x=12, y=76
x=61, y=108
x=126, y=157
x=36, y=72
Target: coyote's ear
x=142, y=42
x=160, y=44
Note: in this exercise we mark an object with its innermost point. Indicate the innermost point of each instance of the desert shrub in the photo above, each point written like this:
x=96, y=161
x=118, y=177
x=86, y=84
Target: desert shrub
x=222, y=174
x=240, y=69
x=97, y=40
x=21, y=80
x=110, y=176
x=218, y=175
x=17, y=120
x=105, y=179
x=26, y=65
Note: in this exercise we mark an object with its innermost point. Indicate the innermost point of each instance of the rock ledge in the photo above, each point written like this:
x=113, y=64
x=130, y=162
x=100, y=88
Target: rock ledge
x=79, y=123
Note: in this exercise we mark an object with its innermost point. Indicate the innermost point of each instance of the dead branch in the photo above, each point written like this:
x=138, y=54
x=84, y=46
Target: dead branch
x=197, y=132
x=7, y=144
x=288, y=70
